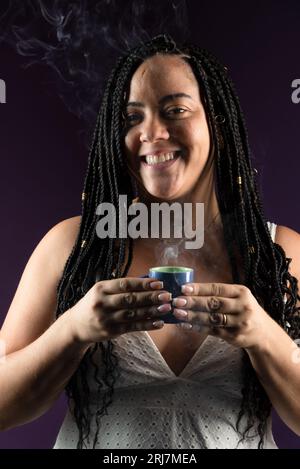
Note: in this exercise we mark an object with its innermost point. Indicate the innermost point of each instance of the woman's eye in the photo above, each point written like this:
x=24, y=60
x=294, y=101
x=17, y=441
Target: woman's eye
x=135, y=118
x=132, y=118
x=176, y=110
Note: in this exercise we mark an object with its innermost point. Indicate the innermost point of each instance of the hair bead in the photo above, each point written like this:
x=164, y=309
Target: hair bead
x=219, y=119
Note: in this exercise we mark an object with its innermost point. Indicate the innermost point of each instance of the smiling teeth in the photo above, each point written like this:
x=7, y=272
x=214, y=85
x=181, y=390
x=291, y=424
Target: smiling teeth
x=155, y=159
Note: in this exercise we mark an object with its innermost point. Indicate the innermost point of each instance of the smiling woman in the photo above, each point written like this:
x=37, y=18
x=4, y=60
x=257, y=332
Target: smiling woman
x=178, y=104
x=165, y=118
x=170, y=129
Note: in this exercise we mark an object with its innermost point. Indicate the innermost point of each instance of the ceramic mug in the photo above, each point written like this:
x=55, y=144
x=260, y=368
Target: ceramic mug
x=173, y=278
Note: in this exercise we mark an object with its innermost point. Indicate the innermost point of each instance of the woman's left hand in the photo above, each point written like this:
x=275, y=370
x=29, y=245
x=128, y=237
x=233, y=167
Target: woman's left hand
x=229, y=311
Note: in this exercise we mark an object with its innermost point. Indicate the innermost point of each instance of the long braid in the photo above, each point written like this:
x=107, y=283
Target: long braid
x=245, y=199
x=262, y=263
x=253, y=391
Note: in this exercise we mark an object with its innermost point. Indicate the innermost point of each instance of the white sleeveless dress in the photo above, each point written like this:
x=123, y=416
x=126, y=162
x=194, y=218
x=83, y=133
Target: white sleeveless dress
x=154, y=408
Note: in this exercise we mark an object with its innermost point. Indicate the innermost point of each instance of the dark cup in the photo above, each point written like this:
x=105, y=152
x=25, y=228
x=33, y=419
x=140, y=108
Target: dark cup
x=173, y=278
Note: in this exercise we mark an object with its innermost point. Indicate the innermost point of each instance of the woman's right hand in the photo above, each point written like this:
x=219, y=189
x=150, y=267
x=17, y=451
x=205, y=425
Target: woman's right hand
x=106, y=310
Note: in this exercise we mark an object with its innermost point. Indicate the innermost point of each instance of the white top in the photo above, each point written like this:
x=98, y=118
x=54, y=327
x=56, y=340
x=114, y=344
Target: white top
x=154, y=408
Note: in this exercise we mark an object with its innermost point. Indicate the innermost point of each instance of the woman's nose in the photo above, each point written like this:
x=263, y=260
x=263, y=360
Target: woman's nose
x=154, y=129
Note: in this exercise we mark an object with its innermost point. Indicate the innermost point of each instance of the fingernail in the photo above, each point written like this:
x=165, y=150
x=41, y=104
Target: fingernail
x=158, y=323
x=164, y=307
x=179, y=302
x=185, y=325
x=180, y=313
x=156, y=285
x=187, y=289
x=166, y=296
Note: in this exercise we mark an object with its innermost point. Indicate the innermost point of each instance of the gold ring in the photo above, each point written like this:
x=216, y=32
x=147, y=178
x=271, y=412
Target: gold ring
x=224, y=319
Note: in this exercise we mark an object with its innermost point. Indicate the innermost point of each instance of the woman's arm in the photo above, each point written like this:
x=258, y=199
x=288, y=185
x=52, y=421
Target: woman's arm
x=33, y=378
x=38, y=354
x=277, y=360
x=231, y=312
x=277, y=365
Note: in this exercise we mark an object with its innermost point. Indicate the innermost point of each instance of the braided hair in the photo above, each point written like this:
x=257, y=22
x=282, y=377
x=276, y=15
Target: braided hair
x=248, y=241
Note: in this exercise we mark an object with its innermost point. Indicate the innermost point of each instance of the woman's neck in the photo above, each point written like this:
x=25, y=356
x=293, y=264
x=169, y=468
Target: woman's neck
x=203, y=193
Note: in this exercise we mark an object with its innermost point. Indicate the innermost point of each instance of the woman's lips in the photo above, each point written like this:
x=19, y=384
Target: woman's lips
x=164, y=164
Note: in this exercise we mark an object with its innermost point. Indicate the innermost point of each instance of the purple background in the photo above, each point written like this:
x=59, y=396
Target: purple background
x=43, y=158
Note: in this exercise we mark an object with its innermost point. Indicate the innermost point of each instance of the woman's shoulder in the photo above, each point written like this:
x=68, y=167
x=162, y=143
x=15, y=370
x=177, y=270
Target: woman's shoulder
x=289, y=240
x=65, y=233
x=69, y=224
x=287, y=237
x=34, y=304
x=69, y=227
x=58, y=242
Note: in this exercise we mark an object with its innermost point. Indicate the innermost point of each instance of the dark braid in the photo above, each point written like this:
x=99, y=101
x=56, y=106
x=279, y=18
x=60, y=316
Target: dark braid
x=255, y=260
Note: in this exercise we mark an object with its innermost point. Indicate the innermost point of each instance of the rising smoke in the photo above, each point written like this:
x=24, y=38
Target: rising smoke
x=80, y=40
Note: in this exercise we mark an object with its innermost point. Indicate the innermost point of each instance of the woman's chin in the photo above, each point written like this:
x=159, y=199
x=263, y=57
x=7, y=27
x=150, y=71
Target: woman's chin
x=164, y=195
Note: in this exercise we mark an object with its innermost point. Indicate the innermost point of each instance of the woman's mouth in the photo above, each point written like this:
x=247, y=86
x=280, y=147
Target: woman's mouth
x=161, y=161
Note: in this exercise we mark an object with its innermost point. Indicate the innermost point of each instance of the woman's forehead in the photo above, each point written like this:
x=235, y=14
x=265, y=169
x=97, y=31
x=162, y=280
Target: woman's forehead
x=164, y=62
x=163, y=71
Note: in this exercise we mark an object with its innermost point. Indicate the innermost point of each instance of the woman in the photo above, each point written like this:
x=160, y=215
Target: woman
x=132, y=381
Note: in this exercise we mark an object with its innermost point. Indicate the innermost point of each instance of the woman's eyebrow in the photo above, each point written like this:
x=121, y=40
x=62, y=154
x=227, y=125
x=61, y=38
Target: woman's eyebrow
x=163, y=100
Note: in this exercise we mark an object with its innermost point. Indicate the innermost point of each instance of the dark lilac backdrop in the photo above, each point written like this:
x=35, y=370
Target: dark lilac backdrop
x=43, y=159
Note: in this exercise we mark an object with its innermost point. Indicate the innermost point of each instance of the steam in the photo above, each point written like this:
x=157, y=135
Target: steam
x=81, y=40
x=172, y=252
x=169, y=253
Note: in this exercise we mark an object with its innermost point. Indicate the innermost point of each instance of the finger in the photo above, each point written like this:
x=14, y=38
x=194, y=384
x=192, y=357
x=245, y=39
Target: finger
x=206, y=319
x=227, y=333
x=123, y=328
x=207, y=304
x=128, y=284
x=195, y=327
x=139, y=314
x=212, y=289
x=136, y=299
x=223, y=333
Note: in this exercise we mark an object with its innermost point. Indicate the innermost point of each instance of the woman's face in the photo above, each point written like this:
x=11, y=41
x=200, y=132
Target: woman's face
x=167, y=142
